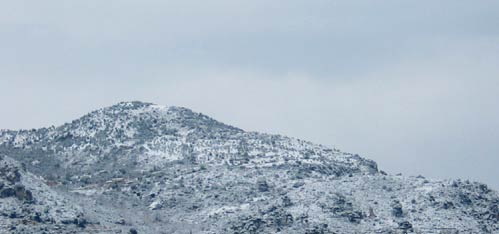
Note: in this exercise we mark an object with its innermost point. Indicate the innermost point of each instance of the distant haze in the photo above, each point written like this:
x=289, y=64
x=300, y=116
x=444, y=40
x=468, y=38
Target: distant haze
x=413, y=85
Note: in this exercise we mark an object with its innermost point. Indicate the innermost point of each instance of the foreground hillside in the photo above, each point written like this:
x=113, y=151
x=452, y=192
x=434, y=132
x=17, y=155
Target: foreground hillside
x=141, y=168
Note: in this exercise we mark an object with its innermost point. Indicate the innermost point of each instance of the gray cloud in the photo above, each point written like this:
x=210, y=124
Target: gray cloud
x=411, y=84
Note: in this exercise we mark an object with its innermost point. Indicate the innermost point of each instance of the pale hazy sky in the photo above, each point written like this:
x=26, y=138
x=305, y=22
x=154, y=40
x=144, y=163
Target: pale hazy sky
x=413, y=85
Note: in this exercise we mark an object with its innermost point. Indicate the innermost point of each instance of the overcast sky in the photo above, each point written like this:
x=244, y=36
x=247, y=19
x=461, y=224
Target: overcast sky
x=413, y=85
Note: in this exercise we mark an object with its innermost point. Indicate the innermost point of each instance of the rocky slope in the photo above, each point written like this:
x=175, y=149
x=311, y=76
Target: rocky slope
x=28, y=205
x=141, y=168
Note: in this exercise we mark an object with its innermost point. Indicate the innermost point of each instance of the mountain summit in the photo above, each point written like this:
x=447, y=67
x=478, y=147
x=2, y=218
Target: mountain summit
x=143, y=168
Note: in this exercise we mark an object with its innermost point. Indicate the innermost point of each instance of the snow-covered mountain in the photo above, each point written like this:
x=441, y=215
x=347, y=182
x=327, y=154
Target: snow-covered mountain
x=142, y=168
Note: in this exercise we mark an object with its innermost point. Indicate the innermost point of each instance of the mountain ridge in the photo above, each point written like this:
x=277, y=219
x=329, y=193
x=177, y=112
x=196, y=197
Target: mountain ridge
x=145, y=127
x=140, y=167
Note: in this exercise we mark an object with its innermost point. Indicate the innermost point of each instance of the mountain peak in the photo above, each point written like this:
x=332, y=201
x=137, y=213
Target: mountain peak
x=140, y=117
x=127, y=109
x=128, y=106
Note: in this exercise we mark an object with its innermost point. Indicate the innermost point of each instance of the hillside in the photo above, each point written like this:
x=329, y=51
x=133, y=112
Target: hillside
x=142, y=168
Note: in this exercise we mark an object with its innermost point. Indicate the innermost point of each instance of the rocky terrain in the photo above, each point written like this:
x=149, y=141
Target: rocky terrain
x=142, y=168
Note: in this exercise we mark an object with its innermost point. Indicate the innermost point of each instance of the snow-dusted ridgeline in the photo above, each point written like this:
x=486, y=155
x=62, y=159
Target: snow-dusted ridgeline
x=140, y=167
